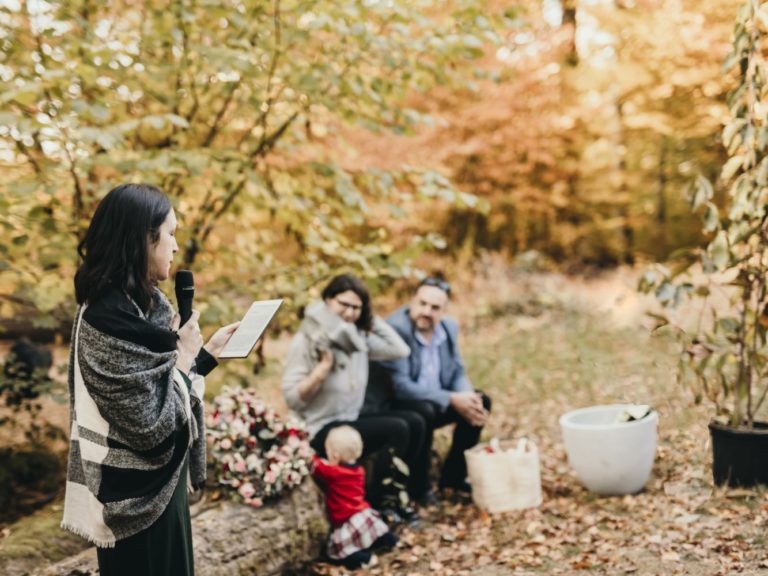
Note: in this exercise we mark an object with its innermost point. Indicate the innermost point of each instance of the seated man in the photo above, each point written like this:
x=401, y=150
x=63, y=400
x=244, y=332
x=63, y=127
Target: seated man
x=432, y=382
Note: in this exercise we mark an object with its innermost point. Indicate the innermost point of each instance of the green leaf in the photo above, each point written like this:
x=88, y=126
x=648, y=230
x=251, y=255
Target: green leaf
x=730, y=61
x=401, y=466
x=659, y=320
x=665, y=293
x=711, y=218
x=703, y=192
x=733, y=165
x=731, y=131
x=728, y=325
x=719, y=251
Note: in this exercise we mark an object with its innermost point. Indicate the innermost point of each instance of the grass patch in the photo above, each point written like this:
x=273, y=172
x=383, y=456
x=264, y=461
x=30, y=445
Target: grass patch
x=38, y=540
x=571, y=359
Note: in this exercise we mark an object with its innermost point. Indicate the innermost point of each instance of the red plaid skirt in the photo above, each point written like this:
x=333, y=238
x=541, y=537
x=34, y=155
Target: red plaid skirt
x=357, y=533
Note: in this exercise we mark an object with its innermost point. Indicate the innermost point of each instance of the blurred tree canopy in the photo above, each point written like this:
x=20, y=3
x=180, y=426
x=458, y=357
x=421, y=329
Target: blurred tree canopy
x=235, y=109
x=607, y=119
x=301, y=137
x=602, y=115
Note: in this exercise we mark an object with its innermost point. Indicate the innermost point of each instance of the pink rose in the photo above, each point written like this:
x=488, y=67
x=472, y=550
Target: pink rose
x=253, y=462
x=246, y=490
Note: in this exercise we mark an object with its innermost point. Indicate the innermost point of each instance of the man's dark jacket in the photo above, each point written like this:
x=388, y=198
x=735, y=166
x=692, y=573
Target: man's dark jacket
x=399, y=379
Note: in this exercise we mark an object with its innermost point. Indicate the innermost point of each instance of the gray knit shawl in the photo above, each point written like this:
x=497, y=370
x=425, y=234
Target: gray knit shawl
x=134, y=420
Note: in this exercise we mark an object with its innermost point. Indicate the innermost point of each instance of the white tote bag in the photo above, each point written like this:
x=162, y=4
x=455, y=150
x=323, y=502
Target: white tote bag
x=504, y=477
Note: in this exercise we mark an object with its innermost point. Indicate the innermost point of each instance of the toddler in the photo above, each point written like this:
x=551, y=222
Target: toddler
x=356, y=528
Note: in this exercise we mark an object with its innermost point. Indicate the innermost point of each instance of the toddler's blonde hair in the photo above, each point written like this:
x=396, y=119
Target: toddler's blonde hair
x=345, y=443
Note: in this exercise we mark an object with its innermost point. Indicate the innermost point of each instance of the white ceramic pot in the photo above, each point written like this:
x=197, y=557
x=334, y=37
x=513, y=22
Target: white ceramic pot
x=610, y=457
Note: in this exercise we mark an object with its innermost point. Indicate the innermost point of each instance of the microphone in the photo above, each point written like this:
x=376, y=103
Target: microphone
x=185, y=292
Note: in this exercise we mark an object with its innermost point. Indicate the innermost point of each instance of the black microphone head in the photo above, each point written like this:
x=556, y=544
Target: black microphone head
x=185, y=292
x=185, y=284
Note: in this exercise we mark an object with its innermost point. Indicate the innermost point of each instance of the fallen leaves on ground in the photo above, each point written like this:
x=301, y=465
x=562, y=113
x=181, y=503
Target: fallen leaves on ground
x=679, y=524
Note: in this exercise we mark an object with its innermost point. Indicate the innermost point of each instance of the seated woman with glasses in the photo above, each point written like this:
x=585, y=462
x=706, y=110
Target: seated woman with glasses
x=326, y=373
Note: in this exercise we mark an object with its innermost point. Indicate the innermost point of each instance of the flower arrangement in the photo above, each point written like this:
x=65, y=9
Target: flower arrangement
x=256, y=453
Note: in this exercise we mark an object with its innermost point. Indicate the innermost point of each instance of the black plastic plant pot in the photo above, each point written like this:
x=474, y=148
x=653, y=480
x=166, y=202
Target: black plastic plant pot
x=739, y=455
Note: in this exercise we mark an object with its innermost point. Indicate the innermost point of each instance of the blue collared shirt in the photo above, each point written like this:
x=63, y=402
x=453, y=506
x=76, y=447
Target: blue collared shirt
x=429, y=374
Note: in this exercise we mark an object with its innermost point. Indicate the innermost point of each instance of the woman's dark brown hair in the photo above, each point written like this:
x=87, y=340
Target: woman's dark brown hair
x=345, y=282
x=115, y=250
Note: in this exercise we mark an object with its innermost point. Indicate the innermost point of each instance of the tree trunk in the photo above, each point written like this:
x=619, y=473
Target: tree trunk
x=661, y=210
x=627, y=231
x=231, y=539
x=569, y=23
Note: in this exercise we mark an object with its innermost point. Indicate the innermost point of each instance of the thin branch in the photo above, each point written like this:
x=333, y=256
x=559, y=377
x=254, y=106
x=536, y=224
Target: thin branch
x=267, y=144
x=13, y=299
x=273, y=65
x=30, y=111
x=77, y=200
x=270, y=183
x=745, y=379
x=220, y=115
x=30, y=158
x=261, y=119
x=184, y=48
x=760, y=298
x=85, y=16
x=752, y=355
x=186, y=67
x=199, y=225
x=230, y=198
x=143, y=19
x=203, y=227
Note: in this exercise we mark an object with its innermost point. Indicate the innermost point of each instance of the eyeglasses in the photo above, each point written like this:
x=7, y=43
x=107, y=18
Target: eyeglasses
x=348, y=306
x=437, y=283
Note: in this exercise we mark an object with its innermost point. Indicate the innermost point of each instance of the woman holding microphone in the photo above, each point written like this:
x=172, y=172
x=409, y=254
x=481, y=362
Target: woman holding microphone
x=136, y=388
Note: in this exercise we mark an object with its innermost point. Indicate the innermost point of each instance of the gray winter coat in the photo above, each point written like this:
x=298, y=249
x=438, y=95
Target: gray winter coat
x=341, y=396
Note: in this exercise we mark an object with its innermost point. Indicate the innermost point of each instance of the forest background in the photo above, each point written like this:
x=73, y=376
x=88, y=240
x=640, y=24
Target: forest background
x=299, y=138
x=387, y=138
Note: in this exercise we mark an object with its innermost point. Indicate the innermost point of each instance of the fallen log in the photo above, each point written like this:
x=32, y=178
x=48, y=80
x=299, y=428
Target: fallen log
x=233, y=539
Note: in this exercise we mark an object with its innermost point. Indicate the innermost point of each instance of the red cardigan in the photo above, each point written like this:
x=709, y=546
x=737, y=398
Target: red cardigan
x=344, y=488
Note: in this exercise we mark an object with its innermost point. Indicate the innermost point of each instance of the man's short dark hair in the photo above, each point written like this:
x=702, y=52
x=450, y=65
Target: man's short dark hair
x=437, y=281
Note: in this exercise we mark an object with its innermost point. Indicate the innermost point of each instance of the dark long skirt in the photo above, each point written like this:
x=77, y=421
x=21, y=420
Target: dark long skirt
x=163, y=549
